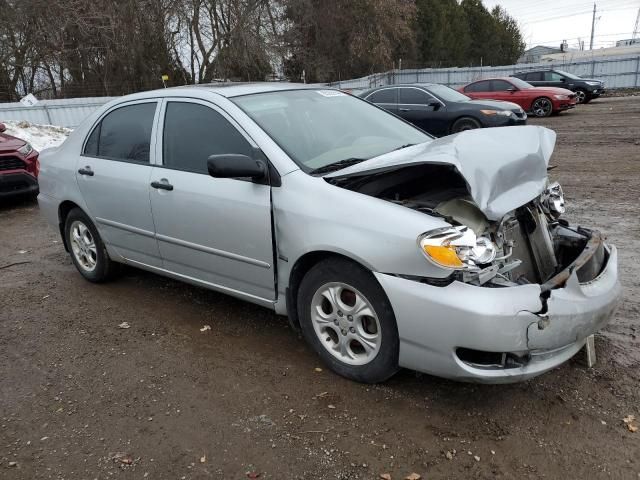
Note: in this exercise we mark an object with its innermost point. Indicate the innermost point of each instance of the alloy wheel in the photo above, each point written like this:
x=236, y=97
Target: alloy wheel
x=580, y=96
x=83, y=246
x=542, y=107
x=346, y=323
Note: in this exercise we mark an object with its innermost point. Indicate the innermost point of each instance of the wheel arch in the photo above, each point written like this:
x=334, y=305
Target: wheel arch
x=300, y=268
x=63, y=211
x=464, y=116
x=546, y=97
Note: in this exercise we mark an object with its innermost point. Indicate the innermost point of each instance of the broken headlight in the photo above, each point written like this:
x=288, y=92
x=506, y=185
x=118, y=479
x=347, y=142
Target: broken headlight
x=457, y=247
x=552, y=200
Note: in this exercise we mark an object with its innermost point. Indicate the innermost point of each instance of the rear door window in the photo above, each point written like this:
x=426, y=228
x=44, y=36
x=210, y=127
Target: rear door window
x=500, y=86
x=387, y=95
x=533, y=77
x=483, y=86
x=192, y=132
x=123, y=134
x=413, y=96
x=553, y=77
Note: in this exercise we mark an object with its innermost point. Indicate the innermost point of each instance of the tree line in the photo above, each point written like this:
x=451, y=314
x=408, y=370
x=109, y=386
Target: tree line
x=72, y=48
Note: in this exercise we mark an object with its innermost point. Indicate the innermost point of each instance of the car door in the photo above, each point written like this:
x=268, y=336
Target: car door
x=423, y=110
x=507, y=91
x=535, y=78
x=213, y=230
x=386, y=98
x=113, y=175
x=555, y=79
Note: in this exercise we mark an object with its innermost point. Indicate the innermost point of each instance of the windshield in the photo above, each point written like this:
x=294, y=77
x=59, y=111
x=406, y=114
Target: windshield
x=521, y=84
x=447, y=94
x=568, y=75
x=318, y=128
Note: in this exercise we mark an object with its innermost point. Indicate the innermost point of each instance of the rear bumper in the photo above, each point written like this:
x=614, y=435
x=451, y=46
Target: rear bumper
x=436, y=324
x=18, y=183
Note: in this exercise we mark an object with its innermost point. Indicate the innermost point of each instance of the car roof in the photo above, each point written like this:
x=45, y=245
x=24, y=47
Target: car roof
x=491, y=78
x=225, y=89
x=536, y=70
x=417, y=84
x=235, y=89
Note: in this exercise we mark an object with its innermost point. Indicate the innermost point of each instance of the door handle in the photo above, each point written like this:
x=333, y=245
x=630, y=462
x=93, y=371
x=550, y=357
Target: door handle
x=86, y=171
x=404, y=109
x=162, y=185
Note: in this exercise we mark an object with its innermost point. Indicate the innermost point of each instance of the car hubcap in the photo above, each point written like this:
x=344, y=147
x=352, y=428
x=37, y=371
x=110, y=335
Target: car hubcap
x=83, y=246
x=346, y=323
x=542, y=107
x=466, y=126
x=581, y=96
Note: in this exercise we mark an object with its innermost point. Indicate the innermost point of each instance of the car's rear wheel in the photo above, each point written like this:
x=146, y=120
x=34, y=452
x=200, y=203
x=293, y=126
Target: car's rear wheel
x=581, y=96
x=542, y=107
x=465, y=123
x=88, y=252
x=348, y=320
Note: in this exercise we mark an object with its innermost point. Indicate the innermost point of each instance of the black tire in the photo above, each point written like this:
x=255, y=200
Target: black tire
x=465, y=123
x=542, y=107
x=104, y=268
x=582, y=96
x=385, y=363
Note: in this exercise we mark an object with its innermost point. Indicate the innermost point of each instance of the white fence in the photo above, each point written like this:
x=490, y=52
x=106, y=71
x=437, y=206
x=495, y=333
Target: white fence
x=617, y=72
x=67, y=112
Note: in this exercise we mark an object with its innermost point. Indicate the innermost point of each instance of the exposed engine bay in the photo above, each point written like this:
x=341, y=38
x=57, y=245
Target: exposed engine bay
x=530, y=244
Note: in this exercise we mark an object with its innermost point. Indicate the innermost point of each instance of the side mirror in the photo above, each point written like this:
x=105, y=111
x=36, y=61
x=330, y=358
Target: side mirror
x=3, y=127
x=232, y=165
x=511, y=89
x=433, y=103
x=563, y=79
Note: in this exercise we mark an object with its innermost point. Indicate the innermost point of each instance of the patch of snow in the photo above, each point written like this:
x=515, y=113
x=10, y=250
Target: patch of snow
x=39, y=136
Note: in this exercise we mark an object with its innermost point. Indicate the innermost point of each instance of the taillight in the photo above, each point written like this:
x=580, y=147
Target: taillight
x=37, y=172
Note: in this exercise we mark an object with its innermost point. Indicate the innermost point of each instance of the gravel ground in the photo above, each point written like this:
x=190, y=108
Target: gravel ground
x=83, y=398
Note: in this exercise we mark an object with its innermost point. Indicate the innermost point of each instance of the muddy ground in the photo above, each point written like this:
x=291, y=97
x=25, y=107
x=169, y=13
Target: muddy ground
x=247, y=398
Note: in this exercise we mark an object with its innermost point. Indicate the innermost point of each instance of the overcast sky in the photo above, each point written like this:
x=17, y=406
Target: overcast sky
x=548, y=22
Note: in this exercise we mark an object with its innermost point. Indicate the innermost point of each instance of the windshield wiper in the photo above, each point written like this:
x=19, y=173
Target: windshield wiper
x=340, y=164
x=407, y=145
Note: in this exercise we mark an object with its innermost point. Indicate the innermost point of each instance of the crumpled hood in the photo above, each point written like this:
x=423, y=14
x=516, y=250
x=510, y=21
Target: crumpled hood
x=504, y=168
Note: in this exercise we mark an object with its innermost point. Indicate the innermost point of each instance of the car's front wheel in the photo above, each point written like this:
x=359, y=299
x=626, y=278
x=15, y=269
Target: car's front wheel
x=465, y=123
x=88, y=252
x=581, y=96
x=542, y=107
x=348, y=320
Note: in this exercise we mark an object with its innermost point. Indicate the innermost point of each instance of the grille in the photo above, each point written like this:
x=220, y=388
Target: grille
x=11, y=163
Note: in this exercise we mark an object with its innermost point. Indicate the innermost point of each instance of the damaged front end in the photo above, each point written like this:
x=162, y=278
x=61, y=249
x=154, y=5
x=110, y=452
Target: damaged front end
x=525, y=288
x=528, y=245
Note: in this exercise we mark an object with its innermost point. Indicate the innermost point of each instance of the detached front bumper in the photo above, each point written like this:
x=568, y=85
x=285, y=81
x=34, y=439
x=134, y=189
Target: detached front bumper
x=461, y=331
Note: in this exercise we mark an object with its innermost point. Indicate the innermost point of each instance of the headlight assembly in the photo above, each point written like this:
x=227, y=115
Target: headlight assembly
x=503, y=113
x=552, y=200
x=457, y=248
x=26, y=149
x=561, y=97
x=593, y=84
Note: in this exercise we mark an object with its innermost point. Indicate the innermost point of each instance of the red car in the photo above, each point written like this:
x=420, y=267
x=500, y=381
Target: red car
x=540, y=101
x=19, y=166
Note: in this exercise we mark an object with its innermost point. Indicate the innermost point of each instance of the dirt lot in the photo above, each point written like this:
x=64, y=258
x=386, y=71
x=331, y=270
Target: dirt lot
x=248, y=397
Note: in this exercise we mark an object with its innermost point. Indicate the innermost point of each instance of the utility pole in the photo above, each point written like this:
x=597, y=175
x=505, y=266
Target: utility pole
x=593, y=25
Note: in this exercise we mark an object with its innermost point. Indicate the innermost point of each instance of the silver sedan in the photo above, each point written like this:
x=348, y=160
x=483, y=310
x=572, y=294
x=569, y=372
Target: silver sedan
x=387, y=248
